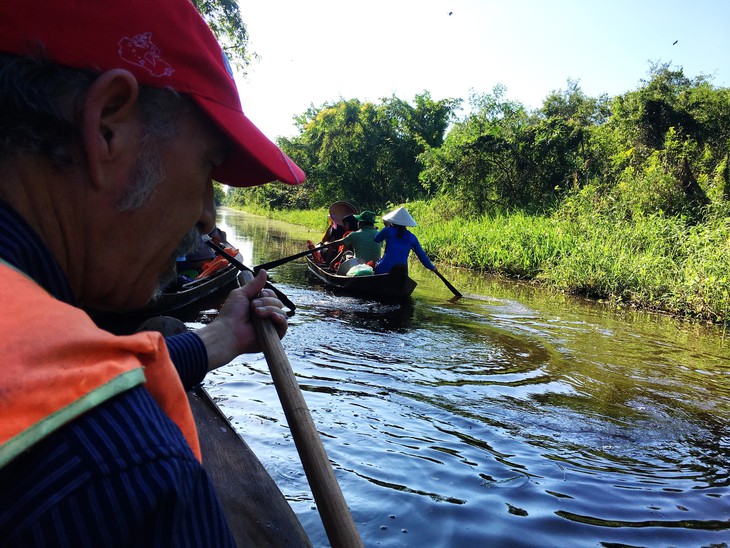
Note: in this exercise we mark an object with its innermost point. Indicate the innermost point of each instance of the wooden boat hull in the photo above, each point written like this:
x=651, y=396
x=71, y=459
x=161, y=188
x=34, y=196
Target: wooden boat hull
x=193, y=291
x=384, y=287
x=184, y=304
x=256, y=510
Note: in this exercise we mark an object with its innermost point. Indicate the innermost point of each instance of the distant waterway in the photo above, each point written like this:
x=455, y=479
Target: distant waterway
x=512, y=417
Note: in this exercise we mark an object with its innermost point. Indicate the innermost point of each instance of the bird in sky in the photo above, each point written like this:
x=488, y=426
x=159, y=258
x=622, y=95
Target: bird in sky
x=674, y=43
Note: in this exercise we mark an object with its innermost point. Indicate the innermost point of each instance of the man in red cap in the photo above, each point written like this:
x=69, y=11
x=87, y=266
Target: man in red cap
x=115, y=116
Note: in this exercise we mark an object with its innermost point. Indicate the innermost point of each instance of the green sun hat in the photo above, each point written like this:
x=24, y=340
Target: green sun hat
x=366, y=217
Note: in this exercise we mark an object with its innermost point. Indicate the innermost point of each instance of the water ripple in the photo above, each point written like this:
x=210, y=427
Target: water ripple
x=513, y=417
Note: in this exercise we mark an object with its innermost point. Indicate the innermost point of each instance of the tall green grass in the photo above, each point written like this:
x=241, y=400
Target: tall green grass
x=309, y=218
x=653, y=262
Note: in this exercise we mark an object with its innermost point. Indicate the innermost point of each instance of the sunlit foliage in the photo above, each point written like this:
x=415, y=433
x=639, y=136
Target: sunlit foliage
x=363, y=152
x=224, y=19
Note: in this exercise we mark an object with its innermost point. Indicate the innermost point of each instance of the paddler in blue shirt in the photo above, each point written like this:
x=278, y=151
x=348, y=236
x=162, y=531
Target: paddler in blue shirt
x=399, y=242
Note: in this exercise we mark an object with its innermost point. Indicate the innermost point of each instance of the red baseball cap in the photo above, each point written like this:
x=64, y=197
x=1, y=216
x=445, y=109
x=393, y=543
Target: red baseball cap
x=164, y=43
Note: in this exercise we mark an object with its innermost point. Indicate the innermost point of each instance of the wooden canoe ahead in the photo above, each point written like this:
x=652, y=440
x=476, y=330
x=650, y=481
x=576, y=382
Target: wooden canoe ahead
x=193, y=291
x=176, y=303
x=393, y=286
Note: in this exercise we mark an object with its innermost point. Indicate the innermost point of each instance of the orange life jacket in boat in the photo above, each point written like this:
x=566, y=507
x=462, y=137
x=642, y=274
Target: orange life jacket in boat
x=316, y=255
x=57, y=365
x=219, y=263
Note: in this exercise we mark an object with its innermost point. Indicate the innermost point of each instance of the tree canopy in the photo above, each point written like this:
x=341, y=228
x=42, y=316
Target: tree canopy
x=363, y=152
x=224, y=19
x=662, y=148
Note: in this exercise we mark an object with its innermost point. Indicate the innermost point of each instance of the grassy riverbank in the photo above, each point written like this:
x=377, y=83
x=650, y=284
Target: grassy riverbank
x=654, y=262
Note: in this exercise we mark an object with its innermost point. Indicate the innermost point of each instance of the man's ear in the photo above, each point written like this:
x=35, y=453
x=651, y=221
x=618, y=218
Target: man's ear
x=111, y=125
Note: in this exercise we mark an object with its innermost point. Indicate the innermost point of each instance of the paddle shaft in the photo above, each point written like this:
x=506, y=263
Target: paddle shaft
x=333, y=510
x=243, y=268
x=277, y=262
x=447, y=283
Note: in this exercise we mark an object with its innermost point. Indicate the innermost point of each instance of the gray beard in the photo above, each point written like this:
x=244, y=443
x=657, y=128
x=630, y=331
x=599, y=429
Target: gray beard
x=147, y=175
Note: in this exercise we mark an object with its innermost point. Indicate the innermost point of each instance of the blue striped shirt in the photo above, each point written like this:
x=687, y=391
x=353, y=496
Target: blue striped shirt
x=120, y=475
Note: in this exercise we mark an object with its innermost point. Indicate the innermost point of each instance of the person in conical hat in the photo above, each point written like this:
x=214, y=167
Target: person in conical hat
x=399, y=242
x=335, y=228
x=400, y=217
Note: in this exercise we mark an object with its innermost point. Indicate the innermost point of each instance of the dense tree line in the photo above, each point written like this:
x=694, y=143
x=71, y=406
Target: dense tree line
x=364, y=152
x=663, y=147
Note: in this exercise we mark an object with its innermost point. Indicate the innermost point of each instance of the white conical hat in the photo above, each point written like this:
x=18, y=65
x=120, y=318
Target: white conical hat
x=400, y=217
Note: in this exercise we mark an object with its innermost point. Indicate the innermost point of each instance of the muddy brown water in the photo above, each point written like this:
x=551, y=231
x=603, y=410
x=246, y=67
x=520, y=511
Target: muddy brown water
x=512, y=417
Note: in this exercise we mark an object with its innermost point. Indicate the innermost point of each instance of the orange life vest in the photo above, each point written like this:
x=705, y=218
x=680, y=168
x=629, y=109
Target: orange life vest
x=316, y=255
x=57, y=365
x=216, y=264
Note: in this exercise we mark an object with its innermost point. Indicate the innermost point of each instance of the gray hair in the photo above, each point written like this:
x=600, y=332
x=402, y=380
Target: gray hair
x=33, y=93
x=161, y=109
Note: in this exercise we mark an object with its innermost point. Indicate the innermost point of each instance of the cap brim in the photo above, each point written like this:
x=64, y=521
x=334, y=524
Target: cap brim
x=255, y=159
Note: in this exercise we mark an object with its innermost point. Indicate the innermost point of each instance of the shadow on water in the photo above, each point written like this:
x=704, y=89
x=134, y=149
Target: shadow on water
x=375, y=317
x=512, y=417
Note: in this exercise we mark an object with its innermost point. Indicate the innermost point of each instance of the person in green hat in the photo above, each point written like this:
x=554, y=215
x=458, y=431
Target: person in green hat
x=362, y=241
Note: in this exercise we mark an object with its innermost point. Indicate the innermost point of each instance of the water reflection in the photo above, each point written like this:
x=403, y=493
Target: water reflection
x=512, y=417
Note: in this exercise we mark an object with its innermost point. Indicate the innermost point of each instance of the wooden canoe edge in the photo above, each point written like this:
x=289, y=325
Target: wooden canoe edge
x=257, y=512
x=383, y=287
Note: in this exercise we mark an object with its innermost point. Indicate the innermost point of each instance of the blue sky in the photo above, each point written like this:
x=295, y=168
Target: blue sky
x=314, y=51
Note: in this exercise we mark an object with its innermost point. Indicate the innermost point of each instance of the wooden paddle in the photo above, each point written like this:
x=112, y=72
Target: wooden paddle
x=277, y=262
x=333, y=510
x=448, y=284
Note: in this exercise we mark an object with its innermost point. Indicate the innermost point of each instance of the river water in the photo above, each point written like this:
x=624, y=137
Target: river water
x=512, y=417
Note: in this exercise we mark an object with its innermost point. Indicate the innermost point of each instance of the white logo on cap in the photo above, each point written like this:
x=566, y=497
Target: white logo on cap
x=142, y=52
